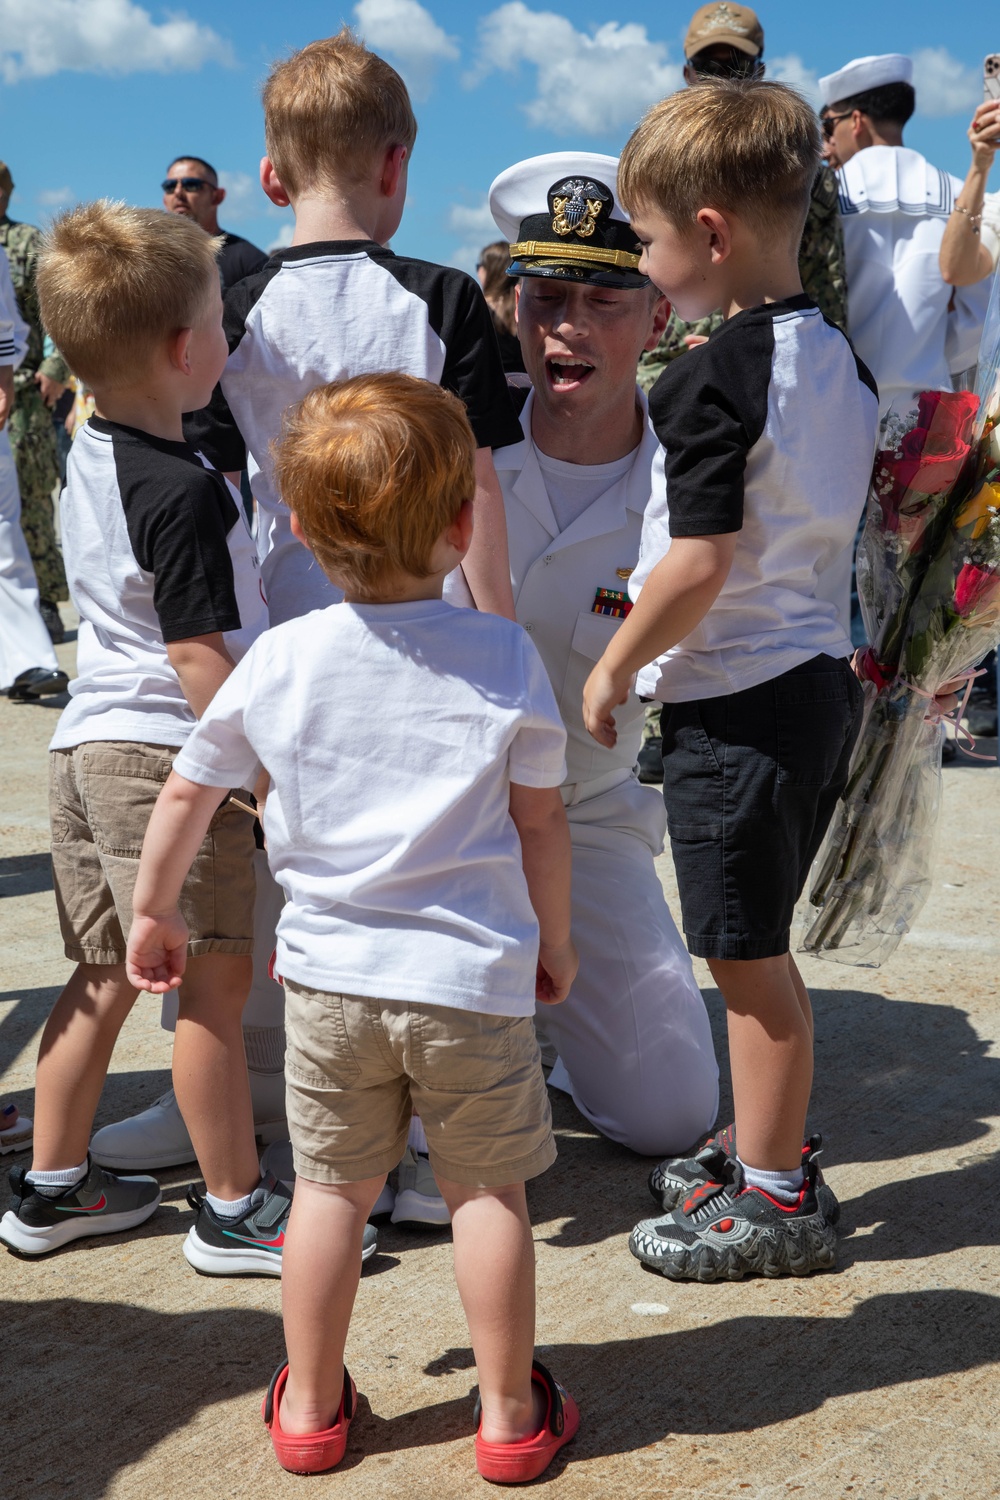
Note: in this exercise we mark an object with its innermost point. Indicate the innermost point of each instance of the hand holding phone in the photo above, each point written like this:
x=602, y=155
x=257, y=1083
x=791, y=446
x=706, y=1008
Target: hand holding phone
x=985, y=131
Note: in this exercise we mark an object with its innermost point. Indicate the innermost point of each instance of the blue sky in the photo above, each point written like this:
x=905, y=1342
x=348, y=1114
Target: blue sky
x=96, y=96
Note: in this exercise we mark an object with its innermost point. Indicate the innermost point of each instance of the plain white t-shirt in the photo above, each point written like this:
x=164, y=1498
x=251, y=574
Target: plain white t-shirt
x=391, y=836
x=573, y=488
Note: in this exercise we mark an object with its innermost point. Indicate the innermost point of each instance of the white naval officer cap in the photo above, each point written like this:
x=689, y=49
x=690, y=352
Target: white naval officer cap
x=864, y=74
x=561, y=217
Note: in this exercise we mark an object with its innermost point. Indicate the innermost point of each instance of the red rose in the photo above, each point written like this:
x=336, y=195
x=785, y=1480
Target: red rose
x=948, y=413
x=976, y=590
x=933, y=453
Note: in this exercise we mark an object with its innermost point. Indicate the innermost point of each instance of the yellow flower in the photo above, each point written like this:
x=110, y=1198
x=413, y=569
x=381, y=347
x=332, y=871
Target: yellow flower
x=977, y=512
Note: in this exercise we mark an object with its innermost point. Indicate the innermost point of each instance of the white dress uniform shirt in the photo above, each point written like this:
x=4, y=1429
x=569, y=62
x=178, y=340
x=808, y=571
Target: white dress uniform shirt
x=894, y=207
x=24, y=640
x=635, y=1048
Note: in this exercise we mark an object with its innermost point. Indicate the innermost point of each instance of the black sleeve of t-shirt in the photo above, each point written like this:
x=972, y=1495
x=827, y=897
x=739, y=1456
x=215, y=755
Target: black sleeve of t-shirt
x=708, y=409
x=213, y=430
x=178, y=520
x=473, y=367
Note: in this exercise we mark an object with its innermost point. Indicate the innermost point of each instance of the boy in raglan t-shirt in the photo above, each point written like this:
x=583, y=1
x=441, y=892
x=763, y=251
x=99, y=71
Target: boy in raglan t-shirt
x=741, y=590
x=163, y=571
x=339, y=131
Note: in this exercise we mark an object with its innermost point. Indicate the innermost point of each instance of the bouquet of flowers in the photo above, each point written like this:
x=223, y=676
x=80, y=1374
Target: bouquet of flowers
x=929, y=585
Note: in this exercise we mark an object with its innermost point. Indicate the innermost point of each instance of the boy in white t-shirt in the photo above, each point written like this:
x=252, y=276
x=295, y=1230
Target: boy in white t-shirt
x=425, y=912
x=163, y=573
x=741, y=594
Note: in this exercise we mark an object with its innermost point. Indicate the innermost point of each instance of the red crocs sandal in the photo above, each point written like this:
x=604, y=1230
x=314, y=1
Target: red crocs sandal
x=519, y=1463
x=308, y=1452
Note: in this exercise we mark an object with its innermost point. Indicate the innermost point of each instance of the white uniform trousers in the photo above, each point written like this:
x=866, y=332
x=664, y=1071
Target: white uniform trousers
x=24, y=640
x=633, y=1036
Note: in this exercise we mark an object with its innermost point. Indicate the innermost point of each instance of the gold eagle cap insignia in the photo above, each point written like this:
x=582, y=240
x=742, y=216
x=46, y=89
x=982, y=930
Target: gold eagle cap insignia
x=577, y=209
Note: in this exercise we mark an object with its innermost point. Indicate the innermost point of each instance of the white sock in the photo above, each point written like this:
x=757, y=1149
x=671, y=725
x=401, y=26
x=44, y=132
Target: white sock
x=51, y=1184
x=418, y=1136
x=785, y=1186
x=226, y=1209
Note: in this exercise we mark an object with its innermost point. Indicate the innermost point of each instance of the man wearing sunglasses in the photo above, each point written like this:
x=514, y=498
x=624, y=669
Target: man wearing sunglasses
x=191, y=188
x=911, y=328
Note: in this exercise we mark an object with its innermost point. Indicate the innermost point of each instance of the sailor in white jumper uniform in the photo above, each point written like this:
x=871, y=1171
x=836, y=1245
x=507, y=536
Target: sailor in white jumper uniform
x=634, y=1044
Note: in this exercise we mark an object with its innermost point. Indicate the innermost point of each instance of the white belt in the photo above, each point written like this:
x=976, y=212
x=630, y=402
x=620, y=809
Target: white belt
x=573, y=792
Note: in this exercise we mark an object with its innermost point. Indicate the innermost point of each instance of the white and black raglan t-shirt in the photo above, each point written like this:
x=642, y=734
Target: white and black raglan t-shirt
x=768, y=430
x=157, y=549
x=323, y=312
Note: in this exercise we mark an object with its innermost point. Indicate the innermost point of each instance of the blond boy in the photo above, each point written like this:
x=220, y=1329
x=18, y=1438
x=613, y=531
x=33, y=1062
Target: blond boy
x=742, y=609
x=163, y=572
x=337, y=302
x=425, y=913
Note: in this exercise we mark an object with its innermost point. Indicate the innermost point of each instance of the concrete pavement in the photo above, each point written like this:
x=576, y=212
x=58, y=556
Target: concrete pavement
x=124, y=1374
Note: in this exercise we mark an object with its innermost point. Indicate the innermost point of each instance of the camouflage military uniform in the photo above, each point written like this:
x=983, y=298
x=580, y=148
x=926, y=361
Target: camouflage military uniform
x=821, y=266
x=30, y=427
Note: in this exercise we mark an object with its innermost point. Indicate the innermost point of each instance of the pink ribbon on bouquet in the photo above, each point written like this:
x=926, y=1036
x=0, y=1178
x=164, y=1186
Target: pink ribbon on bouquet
x=869, y=669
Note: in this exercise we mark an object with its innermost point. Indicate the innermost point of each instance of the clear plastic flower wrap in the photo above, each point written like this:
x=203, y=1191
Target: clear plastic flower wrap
x=929, y=586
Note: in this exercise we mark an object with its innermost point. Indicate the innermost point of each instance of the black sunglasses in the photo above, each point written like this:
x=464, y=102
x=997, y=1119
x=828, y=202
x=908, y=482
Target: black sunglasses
x=737, y=65
x=189, y=184
x=830, y=122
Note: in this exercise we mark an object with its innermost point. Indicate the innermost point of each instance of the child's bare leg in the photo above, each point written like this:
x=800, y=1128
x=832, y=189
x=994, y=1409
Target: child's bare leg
x=321, y=1267
x=73, y=1058
x=495, y=1271
x=802, y=993
x=771, y=1058
x=210, y=1072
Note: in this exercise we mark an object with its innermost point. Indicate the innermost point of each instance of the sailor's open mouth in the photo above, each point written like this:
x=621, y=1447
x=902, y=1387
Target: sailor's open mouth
x=565, y=374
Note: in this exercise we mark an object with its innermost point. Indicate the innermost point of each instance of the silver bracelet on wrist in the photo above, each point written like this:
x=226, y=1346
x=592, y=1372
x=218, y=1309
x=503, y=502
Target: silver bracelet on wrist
x=974, y=219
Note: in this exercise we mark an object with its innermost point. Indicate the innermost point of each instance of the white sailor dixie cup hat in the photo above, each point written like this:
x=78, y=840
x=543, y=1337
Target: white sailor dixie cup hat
x=561, y=216
x=864, y=74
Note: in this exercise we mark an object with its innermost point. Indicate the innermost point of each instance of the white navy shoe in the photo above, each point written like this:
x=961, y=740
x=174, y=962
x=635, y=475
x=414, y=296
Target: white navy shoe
x=158, y=1137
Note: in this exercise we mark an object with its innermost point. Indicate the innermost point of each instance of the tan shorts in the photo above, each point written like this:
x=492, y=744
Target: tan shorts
x=355, y=1068
x=100, y=797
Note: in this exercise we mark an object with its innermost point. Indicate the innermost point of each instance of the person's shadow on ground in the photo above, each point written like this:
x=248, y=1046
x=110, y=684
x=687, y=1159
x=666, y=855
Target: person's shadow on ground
x=100, y=1384
x=894, y=1079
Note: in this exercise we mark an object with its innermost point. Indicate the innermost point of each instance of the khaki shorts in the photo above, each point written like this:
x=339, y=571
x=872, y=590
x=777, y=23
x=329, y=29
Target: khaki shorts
x=355, y=1068
x=101, y=795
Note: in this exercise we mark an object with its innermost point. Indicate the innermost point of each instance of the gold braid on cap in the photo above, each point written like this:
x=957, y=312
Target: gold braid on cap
x=547, y=250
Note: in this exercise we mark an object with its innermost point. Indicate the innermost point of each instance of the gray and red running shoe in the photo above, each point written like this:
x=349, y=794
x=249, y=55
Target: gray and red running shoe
x=677, y=1177
x=103, y=1203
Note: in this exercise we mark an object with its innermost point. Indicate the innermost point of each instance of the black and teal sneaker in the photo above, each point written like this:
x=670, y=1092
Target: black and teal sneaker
x=252, y=1245
x=725, y=1230
x=103, y=1203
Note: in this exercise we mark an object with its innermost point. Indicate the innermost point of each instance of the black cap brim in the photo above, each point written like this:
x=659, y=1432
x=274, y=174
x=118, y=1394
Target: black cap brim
x=581, y=272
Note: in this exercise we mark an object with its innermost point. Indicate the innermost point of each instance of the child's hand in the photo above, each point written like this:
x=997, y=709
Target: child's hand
x=602, y=693
x=157, y=952
x=556, y=971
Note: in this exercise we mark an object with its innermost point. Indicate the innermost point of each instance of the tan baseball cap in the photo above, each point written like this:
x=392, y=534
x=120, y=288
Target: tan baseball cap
x=722, y=24
x=6, y=180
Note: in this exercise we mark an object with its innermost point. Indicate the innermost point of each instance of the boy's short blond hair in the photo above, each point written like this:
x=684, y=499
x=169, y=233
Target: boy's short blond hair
x=114, y=282
x=376, y=468
x=748, y=147
x=331, y=111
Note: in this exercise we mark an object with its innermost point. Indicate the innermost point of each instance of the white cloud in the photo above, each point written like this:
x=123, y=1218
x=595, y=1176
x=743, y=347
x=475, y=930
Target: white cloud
x=474, y=223
x=282, y=239
x=944, y=85
x=410, y=34
x=243, y=195
x=793, y=71
x=100, y=36
x=586, y=84
x=55, y=197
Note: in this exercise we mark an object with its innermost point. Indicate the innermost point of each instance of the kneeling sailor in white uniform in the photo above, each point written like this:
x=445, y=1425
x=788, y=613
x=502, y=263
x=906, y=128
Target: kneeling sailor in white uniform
x=634, y=1044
